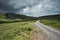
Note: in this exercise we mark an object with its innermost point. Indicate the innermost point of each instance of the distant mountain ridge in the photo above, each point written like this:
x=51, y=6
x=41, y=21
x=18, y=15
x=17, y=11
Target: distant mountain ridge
x=18, y=16
x=50, y=16
x=57, y=15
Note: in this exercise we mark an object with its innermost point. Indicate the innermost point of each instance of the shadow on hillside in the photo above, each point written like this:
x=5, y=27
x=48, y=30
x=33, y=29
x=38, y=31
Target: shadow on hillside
x=23, y=20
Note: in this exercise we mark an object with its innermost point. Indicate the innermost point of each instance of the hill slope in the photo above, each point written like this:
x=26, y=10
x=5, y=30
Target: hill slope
x=18, y=16
x=16, y=29
x=12, y=17
x=52, y=21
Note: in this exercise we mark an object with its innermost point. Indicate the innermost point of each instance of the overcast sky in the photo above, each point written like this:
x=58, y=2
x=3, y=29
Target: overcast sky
x=31, y=7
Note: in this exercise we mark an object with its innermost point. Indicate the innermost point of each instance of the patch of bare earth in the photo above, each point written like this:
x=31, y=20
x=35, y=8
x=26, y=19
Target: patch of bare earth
x=40, y=35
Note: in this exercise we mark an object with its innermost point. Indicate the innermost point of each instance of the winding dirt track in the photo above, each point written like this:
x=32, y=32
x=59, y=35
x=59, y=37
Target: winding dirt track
x=52, y=33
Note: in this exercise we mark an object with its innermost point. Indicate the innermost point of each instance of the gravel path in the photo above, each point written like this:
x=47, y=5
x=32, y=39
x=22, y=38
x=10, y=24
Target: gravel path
x=48, y=34
x=40, y=35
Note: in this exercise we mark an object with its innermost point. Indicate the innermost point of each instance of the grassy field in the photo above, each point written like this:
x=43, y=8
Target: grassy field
x=16, y=29
x=52, y=22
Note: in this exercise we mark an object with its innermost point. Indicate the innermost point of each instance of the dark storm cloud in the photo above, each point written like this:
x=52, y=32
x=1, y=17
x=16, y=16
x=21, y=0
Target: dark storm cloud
x=6, y=5
x=31, y=7
x=9, y=5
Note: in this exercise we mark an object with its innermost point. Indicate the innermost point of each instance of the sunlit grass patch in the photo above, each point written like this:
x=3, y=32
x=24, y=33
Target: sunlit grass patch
x=51, y=22
x=16, y=31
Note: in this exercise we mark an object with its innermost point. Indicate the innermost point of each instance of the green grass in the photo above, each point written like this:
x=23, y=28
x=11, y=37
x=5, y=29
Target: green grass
x=52, y=22
x=17, y=29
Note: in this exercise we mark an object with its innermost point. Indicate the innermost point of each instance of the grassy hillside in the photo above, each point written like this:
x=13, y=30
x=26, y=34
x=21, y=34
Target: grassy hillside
x=53, y=21
x=17, y=29
x=11, y=17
